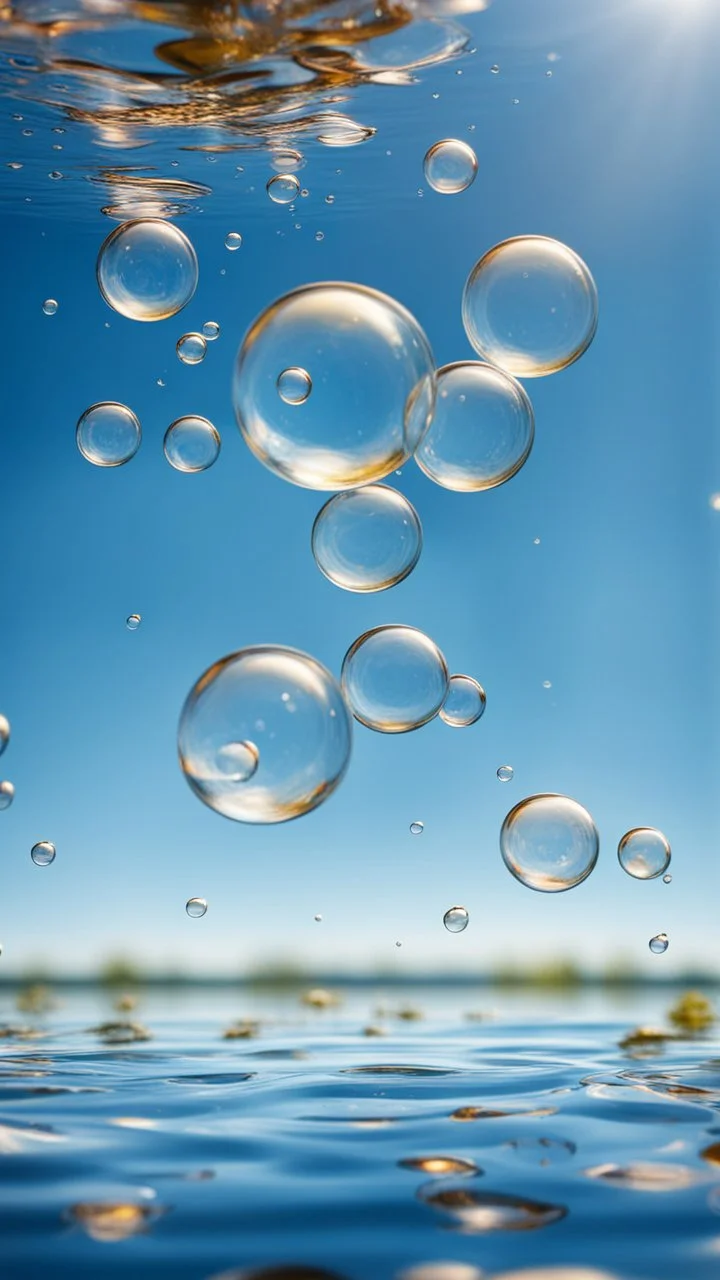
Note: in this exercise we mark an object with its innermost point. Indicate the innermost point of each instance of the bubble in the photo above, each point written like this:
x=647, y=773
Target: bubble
x=394, y=678
x=549, y=843
x=211, y=330
x=495, y=69
x=464, y=702
x=373, y=389
x=294, y=385
x=147, y=269
x=644, y=853
x=50, y=306
x=318, y=919
x=108, y=434
x=191, y=444
x=191, y=348
x=482, y=429
x=43, y=853
x=417, y=828
x=287, y=160
x=367, y=539
x=505, y=773
x=659, y=944
x=398, y=944
x=283, y=188
x=456, y=919
x=319, y=235
x=133, y=621
x=278, y=707
x=196, y=907
x=667, y=879
x=450, y=166
x=530, y=306
x=4, y=733
x=233, y=240
x=7, y=794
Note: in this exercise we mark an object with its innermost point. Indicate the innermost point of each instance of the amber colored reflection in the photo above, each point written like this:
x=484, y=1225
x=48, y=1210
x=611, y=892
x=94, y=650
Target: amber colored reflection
x=110, y=1222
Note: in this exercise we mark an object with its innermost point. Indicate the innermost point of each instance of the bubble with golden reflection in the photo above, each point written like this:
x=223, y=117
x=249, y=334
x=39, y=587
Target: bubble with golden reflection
x=147, y=269
x=549, y=843
x=394, y=678
x=367, y=539
x=644, y=853
x=108, y=434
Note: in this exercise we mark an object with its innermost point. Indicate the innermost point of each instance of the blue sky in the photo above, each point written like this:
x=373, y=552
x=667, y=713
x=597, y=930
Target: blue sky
x=617, y=606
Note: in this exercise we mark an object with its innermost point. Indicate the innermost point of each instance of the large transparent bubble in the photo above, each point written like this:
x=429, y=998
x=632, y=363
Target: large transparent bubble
x=147, y=269
x=530, y=306
x=549, y=843
x=394, y=678
x=279, y=708
x=367, y=539
x=370, y=368
x=644, y=853
x=482, y=429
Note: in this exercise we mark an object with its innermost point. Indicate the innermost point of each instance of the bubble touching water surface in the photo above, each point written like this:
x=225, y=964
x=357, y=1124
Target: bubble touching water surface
x=147, y=269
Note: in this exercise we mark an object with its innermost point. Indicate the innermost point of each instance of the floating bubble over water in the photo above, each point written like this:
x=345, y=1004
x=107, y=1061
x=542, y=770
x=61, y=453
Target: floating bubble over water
x=394, y=678
x=43, y=853
x=417, y=828
x=4, y=733
x=464, y=703
x=287, y=707
x=644, y=853
x=482, y=429
x=50, y=306
x=530, y=306
x=211, y=330
x=108, y=434
x=367, y=539
x=283, y=188
x=191, y=444
x=132, y=622
x=233, y=240
x=7, y=794
x=456, y=919
x=373, y=386
x=549, y=843
x=294, y=385
x=659, y=944
x=505, y=773
x=191, y=348
x=237, y=761
x=667, y=879
x=450, y=166
x=196, y=907
x=147, y=269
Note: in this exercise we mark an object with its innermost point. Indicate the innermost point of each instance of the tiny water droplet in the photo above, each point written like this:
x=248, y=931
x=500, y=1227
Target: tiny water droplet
x=505, y=773
x=191, y=348
x=417, y=828
x=211, y=330
x=294, y=385
x=132, y=622
x=659, y=944
x=43, y=853
x=495, y=69
x=196, y=907
x=667, y=879
x=547, y=684
x=318, y=918
x=50, y=306
x=233, y=240
x=536, y=542
x=456, y=919
x=283, y=188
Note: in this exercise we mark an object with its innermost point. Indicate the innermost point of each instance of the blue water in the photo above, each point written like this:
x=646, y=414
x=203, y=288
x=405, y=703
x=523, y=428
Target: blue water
x=186, y=1154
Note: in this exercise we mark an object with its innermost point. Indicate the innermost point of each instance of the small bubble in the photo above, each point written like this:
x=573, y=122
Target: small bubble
x=294, y=385
x=27, y=133
x=56, y=175
x=548, y=74
x=283, y=188
x=132, y=622
x=667, y=879
x=14, y=164
x=16, y=116
x=495, y=69
x=233, y=240
x=50, y=306
x=644, y=853
x=108, y=434
x=43, y=853
x=436, y=96
x=456, y=919
x=196, y=907
x=417, y=828
x=191, y=444
x=160, y=382
x=318, y=919
x=304, y=193
x=505, y=773
x=420, y=192
x=547, y=684
x=57, y=146
x=191, y=348
x=464, y=703
x=450, y=166
x=211, y=330
x=4, y=733
x=57, y=129
x=237, y=761
x=7, y=794
x=319, y=235
x=329, y=199
x=516, y=102
x=549, y=843
x=659, y=944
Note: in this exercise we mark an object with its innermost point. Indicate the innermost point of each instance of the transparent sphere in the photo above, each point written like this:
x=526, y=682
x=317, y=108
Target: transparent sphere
x=456, y=919
x=373, y=387
x=132, y=622
x=294, y=386
x=644, y=853
x=667, y=879
x=367, y=539
x=482, y=429
x=43, y=853
x=4, y=733
x=450, y=166
x=211, y=330
x=549, y=843
x=147, y=270
x=191, y=348
x=278, y=706
x=196, y=907
x=233, y=240
x=505, y=773
x=50, y=306
x=191, y=444
x=7, y=794
x=659, y=944
x=108, y=434
x=464, y=702
x=417, y=828
x=283, y=188
x=530, y=306
x=394, y=679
